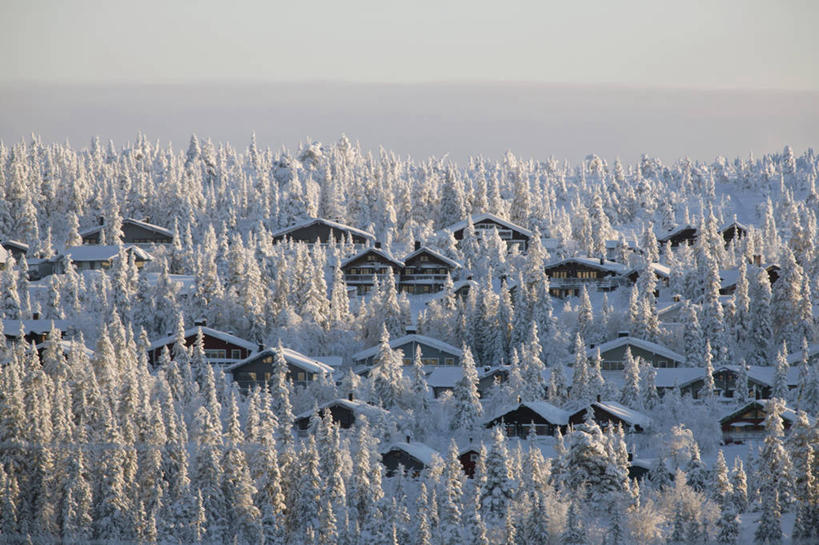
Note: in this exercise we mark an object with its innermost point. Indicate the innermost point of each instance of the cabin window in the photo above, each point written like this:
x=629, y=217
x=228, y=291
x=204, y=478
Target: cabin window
x=423, y=258
x=449, y=361
x=473, y=457
x=300, y=376
x=236, y=354
x=372, y=257
x=407, y=361
x=252, y=376
x=267, y=377
x=560, y=274
x=215, y=354
x=587, y=275
x=609, y=365
x=429, y=361
x=268, y=359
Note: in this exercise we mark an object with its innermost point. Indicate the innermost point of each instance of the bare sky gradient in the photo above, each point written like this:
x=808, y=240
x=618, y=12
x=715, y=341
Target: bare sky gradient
x=696, y=43
x=565, y=78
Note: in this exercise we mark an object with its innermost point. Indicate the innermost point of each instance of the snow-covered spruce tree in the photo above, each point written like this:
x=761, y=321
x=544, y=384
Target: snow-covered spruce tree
x=468, y=410
x=387, y=379
x=630, y=395
x=498, y=490
x=774, y=470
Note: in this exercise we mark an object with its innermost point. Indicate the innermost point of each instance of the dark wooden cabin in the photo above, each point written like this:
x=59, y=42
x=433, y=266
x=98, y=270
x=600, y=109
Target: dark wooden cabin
x=133, y=232
x=426, y=271
x=221, y=348
x=323, y=231
x=259, y=369
x=515, y=236
x=361, y=270
x=544, y=417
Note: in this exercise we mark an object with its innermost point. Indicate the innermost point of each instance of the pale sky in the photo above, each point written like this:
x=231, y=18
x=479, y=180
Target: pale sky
x=749, y=44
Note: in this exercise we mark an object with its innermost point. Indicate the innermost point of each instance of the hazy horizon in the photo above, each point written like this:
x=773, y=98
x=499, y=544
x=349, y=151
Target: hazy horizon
x=539, y=120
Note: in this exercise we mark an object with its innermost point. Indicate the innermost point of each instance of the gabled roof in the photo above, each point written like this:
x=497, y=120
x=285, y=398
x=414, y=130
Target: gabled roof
x=68, y=346
x=662, y=271
x=547, y=411
x=144, y=224
x=97, y=252
x=671, y=233
x=732, y=224
x=648, y=346
x=356, y=406
x=788, y=414
x=377, y=251
x=215, y=333
x=483, y=216
x=296, y=359
x=630, y=416
x=16, y=244
x=406, y=339
x=331, y=224
x=796, y=357
x=426, y=250
x=419, y=451
x=600, y=264
x=12, y=327
x=730, y=277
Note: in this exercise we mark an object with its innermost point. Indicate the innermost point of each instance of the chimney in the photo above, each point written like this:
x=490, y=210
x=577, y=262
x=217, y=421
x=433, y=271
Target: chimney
x=201, y=322
x=470, y=440
x=518, y=399
x=35, y=316
x=417, y=245
x=377, y=245
x=757, y=260
x=598, y=398
x=408, y=439
x=350, y=396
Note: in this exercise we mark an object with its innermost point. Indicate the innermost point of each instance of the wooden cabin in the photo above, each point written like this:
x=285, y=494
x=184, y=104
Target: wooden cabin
x=433, y=351
x=426, y=271
x=469, y=458
x=516, y=237
x=361, y=270
x=133, y=232
x=221, y=348
x=747, y=423
x=613, y=353
x=100, y=257
x=17, y=249
x=259, y=368
x=612, y=413
x=733, y=230
x=412, y=456
x=34, y=331
x=684, y=234
x=323, y=231
x=343, y=412
x=568, y=276
x=539, y=416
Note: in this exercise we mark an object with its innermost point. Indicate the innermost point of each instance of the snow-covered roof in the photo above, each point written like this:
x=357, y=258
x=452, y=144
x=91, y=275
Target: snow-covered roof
x=483, y=216
x=731, y=224
x=68, y=346
x=98, y=252
x=788, y=414
x=671, y=233
x=648, y=346
x=419, y=451
x=332, y=361
x=662, y=271
x=601, y=264
x=296, y=359
x=796, y=357
x=130, y=221
x=632, y=417
x=42, y=325
x=444, y=377
x=215, y=333
x=377, y=251
x=427, y=250
x=407, y=339
x=331, y=224
x=16, y=244
x=547, y=411
x=730, y=277
x=356, y=406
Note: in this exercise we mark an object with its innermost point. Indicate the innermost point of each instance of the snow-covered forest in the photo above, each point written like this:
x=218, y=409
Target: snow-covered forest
x=538, y=431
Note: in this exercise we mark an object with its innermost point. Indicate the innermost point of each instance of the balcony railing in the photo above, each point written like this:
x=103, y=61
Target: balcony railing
x=364, y=277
